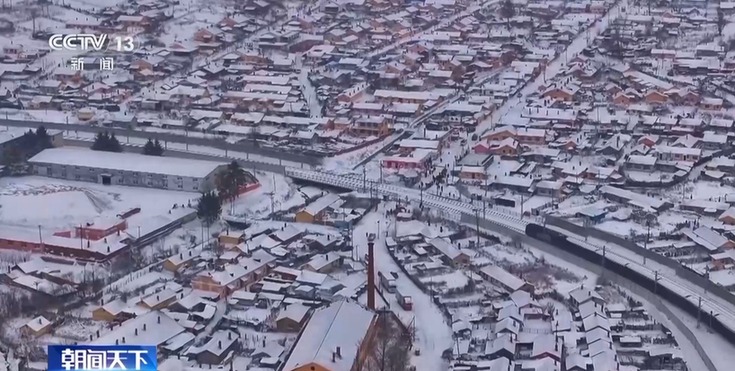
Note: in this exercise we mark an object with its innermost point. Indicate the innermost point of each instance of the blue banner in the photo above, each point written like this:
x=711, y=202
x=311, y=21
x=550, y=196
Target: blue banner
x=102, y=357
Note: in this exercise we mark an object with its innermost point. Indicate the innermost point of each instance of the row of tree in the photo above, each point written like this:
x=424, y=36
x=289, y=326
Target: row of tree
x=27, y=146
x=107, y=142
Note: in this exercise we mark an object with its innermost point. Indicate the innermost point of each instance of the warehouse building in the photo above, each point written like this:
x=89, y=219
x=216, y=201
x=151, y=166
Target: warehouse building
x=128, y=169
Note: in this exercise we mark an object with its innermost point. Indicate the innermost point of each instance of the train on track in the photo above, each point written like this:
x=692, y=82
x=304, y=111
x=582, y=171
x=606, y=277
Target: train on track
x=559, y=240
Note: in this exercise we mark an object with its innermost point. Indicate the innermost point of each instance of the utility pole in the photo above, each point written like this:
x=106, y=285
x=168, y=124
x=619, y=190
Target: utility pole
x=699, y=311
x=477, y=226
x=655, y=283
x=521, y=205
x=40, y=237
x=645, y=244
x=271, y=194
x=364, y=179
x=604, y=252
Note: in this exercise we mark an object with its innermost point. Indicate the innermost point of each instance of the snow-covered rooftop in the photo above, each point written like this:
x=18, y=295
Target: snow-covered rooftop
x=152, y=328
x=125, y=162
x=342, y=324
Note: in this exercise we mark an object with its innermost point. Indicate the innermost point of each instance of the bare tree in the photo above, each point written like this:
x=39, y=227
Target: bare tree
x=390, y=346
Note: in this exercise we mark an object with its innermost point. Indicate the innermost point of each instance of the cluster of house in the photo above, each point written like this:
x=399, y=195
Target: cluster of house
x=331, y=336
x=592, y=336
x=250, y=255
x=250, y=282
x=669, y=28
x=140, y=18
x=424, y=76
x=335, y=210
x=560, y=141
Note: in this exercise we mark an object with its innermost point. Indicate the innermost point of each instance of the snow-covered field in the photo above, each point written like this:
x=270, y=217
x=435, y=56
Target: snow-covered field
x=57, y=204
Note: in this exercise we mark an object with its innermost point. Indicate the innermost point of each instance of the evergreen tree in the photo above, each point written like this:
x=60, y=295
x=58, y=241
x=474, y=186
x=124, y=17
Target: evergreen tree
x=159, y=148
x=209, y=208
x=29, y=141
x=101, y=141
x=115, y=145
x=43, y=140
x=148, y=148
x=230, y=181
x=152, y=148
x=106, y=142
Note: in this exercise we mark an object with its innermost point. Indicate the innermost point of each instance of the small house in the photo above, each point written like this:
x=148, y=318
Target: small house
x=37, y=327
x=316, y=211
x=293, y=318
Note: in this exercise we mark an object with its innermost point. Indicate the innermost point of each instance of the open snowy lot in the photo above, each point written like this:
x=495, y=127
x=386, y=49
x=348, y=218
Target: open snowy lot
x=55, y=204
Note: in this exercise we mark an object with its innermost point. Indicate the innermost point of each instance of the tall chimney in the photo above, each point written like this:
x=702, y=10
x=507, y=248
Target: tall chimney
x=371, y=272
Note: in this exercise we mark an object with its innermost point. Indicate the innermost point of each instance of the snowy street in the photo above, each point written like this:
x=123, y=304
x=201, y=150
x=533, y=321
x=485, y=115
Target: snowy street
x=433, y=334
x=307, y=88
x=582, y=40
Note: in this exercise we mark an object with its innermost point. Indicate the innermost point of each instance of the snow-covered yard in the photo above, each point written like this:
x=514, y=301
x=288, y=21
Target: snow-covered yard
x=56, y=204
x=275, y=191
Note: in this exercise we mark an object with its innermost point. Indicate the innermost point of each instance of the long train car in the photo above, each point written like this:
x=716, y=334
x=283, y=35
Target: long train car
x=560, y=240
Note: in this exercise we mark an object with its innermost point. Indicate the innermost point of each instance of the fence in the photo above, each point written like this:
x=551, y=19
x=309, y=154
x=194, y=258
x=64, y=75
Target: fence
x=589, y=262
x=244, y=163
x=422, y=287
x=246, y=147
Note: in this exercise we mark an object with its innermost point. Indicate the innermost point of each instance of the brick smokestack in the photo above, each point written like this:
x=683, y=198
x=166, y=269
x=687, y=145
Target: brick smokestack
x=371, y=272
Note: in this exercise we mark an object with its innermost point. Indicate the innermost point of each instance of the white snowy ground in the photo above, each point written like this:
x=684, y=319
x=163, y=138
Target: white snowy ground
x=433, y=334
x=256, y=204
x=56, y=204
x=720, y=351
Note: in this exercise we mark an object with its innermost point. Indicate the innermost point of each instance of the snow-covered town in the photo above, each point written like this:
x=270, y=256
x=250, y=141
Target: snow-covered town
x=370, y=185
